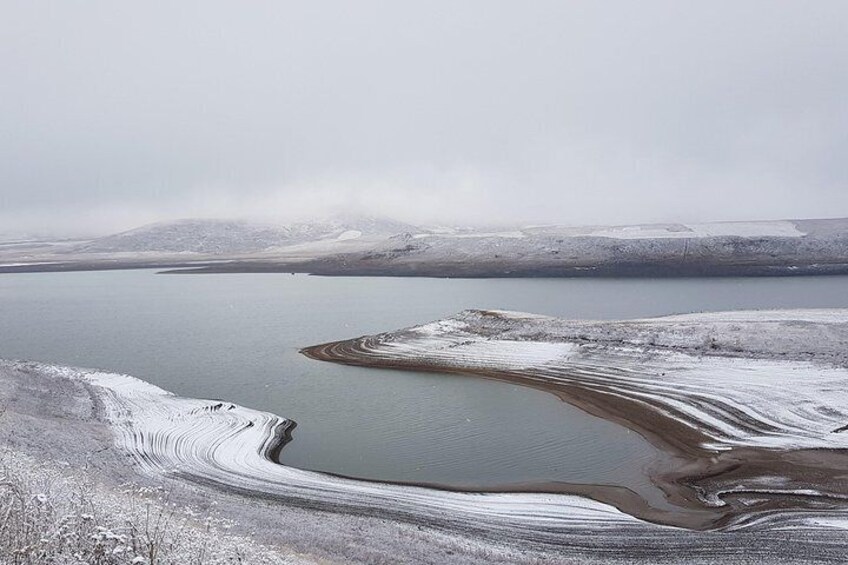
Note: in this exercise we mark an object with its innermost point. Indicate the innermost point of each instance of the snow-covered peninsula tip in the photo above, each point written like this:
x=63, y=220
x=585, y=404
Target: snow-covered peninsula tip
x=754, y=405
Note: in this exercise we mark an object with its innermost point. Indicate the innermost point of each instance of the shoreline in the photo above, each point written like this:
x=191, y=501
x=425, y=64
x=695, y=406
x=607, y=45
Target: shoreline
x=704, y=483
x=53, y=421
x=691, y=515
x=476, y=270
x=219, y=443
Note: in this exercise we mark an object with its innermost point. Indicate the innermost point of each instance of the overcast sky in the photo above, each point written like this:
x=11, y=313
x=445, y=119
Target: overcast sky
x=118, y=113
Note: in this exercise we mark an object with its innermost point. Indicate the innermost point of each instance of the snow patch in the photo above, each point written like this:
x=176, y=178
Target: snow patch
x=473, y=235
x=349, y=234
x=716, y=229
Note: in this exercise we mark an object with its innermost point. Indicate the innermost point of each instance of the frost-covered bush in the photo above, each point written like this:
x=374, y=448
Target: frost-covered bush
x=49, y=518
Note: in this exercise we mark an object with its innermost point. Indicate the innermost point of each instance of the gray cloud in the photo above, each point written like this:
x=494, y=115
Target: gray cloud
x=115, y=114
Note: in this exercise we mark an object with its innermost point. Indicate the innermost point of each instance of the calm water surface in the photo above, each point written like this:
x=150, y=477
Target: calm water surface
x=236, y=337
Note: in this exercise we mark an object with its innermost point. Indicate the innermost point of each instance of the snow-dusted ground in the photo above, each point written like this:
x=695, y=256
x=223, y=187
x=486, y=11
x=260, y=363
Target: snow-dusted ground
x=782, y=228
x=715, y=229
x=53, y=513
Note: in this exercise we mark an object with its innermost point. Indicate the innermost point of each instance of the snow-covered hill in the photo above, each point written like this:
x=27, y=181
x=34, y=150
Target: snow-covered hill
x=191, y=236
x=236, y=236
x=662, y=249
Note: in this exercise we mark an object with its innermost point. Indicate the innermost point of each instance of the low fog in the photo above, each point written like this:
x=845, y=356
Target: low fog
x=115, y=114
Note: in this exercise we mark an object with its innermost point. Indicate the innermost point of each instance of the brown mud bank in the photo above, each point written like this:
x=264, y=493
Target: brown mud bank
x=707, y=487
x=488, y=269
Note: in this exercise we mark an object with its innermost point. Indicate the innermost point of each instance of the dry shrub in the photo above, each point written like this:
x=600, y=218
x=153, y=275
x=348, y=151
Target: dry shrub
x=47, y=517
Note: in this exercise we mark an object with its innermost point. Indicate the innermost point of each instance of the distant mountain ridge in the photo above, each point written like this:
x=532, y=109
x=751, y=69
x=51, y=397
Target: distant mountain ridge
x=221, y=236
x=369, y=246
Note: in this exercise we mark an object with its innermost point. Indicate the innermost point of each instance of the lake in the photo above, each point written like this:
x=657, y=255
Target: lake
x=237, y=336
